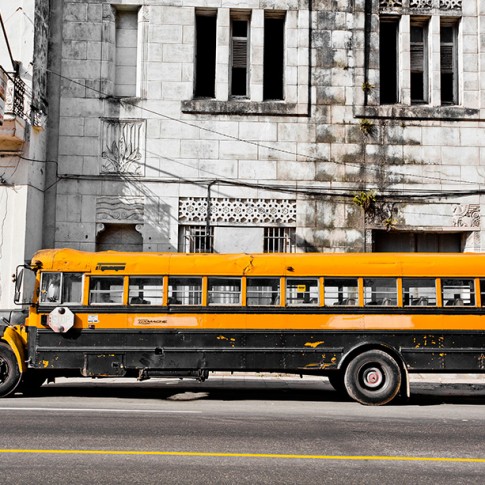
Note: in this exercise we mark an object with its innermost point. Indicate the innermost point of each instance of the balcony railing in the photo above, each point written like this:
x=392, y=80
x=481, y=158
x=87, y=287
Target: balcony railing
x=18, y=100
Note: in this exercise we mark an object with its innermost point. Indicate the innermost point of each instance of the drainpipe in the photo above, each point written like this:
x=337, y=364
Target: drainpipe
x=208, y=216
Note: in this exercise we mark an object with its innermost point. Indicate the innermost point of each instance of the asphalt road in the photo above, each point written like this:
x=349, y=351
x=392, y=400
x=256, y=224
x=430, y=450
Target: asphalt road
x=240, y=431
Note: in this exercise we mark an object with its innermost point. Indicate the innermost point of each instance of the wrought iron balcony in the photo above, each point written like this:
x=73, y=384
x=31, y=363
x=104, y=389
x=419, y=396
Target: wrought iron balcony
x=18, y=112
x=18, y=97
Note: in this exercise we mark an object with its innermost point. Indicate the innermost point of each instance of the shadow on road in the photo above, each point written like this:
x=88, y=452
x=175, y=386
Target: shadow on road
x=234, y=389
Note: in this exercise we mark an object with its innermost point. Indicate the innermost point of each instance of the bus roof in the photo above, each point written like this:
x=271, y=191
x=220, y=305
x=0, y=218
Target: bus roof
x=288, y=264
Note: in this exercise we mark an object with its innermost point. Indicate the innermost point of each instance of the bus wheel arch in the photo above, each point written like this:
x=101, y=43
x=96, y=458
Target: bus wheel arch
x=374, y=374
x=10, y=375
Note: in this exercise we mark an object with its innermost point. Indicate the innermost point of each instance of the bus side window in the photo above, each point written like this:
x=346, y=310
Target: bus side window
x=50, y=288
x=72, y=287
x=302, y=291
x=184, y=291
x=380, y=291
x=341, y=291
x=106, y=290
x=262, y=291
x=145, y=291
x=61, y=288
x=419, y=292
x=458, y=292
x=224, y=291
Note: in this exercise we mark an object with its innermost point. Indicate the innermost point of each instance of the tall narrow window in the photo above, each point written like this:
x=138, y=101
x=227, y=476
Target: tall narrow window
x=205, y=62
x=449, y=64
x=126, y=53
x=419, y=64
x=388, y=61
x=239, y=56
x=274, y=38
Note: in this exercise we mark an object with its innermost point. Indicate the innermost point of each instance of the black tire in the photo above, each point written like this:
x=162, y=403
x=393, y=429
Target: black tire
x=373, y=378
x=336, y=380
x=9, y=371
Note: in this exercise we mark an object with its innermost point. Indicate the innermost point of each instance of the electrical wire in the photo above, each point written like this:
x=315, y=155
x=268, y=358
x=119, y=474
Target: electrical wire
x=260, y=145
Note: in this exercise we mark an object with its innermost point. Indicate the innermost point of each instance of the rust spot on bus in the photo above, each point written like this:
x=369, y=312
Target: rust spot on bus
x=314, y=345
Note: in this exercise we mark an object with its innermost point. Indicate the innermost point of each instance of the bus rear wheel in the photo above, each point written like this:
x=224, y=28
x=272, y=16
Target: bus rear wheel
x=9, y=371
x=373, y=378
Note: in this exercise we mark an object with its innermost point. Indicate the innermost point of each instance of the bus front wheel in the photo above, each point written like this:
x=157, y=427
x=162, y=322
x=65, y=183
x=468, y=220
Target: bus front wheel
x=9, y=371
x=373, y=378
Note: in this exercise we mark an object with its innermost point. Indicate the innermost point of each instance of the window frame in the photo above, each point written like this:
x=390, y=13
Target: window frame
x=275, y=295
x=454, y=25
x=192, y=292
x=229, y=293
x=423, y=25
x=60, y=300
x=103, y=292
x=239, y=16
x=147, y=277
x=208, y=74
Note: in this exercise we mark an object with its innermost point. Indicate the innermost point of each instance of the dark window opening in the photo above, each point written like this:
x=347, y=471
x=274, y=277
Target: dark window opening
x=119, y=237
x=448, y=65
x=274, y=34
x=205, y=65
x=417, y=242
x=419, y=65
x=388, y=62
x=239, y=50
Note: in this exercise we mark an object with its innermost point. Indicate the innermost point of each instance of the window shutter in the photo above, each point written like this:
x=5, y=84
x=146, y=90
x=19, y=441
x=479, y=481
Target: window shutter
x=417, y=58
x=239, y=53
x=446, y=58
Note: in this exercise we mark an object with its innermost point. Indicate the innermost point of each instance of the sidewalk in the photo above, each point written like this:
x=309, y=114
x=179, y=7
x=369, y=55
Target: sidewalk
x=265, y=379
x=417, y=378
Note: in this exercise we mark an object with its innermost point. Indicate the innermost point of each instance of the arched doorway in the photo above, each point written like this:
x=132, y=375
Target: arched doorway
x=119, y=237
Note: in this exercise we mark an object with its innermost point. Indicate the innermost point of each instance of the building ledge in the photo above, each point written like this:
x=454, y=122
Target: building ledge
x=403, y=112
x=243, y=107
x=12, y=133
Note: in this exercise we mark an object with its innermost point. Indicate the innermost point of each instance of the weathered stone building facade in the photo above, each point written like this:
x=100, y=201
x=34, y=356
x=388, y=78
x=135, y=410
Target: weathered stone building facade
x=282, y=125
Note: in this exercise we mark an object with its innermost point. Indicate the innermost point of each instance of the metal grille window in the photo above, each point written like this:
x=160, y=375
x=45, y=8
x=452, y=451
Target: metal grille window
x=279, y=240
x=196, y=239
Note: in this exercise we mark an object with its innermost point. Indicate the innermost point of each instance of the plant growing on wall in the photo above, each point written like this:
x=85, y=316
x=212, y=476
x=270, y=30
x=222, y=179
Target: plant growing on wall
x=366, y=126
x=365, y=199
x=367, y=86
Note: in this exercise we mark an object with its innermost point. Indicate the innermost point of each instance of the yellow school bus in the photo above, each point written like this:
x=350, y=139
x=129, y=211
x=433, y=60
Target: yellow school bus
x=364, y=320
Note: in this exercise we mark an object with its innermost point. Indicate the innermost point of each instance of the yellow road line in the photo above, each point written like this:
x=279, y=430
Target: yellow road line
x=252, y=455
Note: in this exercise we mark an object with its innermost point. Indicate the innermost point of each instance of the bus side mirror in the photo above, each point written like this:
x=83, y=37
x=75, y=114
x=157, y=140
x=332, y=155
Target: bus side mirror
x=18, y=277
